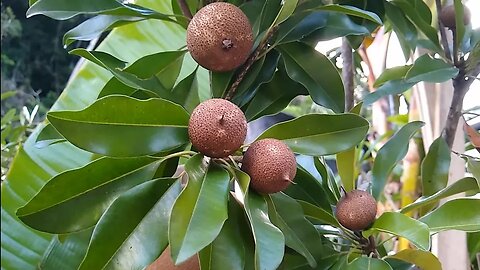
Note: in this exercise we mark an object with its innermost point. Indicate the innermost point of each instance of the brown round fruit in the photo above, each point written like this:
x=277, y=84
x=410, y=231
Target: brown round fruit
x=165, y=262
x=356, y=210
x=219, y=37
x=447, y=17
x=217, y=128
x=270, y=164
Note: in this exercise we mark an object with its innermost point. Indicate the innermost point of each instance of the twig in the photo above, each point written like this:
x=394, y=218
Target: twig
x=185, y=10
x=441, y=28
x=347, y=74
x=254, y=57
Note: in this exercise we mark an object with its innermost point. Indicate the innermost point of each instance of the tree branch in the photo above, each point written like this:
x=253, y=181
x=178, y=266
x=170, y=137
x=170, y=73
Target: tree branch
x=347, y=74
x=185, y=10
x=441, y=28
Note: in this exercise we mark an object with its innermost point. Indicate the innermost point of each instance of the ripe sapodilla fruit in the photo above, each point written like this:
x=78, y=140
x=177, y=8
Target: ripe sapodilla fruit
x=447, y=16
x=217, y=128
x=219, y=37
x=356, y=210
x=270, y=164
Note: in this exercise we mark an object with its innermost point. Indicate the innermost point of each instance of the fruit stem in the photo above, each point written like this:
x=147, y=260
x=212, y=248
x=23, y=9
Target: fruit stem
x=185, y=10
x=179, y=154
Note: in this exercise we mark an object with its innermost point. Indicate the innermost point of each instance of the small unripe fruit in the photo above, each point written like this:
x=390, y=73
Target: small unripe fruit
x=270, y=164
x=356, y=210
x=217, y=128
x=219, y=37
x=447, y=16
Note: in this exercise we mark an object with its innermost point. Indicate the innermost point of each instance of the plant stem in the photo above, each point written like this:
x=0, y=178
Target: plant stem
x=185, y=10
x=441, y=28
x=347, y=74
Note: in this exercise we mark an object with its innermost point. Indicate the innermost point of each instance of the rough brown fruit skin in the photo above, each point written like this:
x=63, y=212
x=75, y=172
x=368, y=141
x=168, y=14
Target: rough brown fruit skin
x=270, y=164
x=165, y=262
x=217, y=128
x=219, y=37
x=447, y=17
x=356, y=210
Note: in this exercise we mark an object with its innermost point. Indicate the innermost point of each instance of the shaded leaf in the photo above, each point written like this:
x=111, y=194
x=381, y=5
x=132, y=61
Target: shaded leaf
x=143, y=213
x=304, y=135
x=200, y=211
x=346, y=168
x=395, y=73
x=429, y=69
x=394, y=87
x=423, y=259
x=185, y=92
x=112, y=125
x=367, y=263
x=286, y=10
x=458, y=214
x=48, y=136
x=353, y=11
x=435, y=167
x=391, y=152
x=318, y=213
x=473, y=166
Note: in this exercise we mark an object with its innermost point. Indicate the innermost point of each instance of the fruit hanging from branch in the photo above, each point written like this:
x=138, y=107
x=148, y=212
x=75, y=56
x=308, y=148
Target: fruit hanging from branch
x=447, y=16
x=356, y=210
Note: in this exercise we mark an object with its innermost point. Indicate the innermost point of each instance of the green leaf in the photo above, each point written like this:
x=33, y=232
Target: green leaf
x=304, y=135
x=458, y=214
x=48, y=136
x=185, y=92
x=328, y=180
x=422, y=259
x=269, y=240
x=220, y=82
x=73, y=247
x=288, y=6
x=300, y=234
x=395, y=73
x=76, y=199
x=467, y=184
x=143, y=213
x=303, y=22
x=435, y=167
x=405, y=30
x=318, y=213
x=401, y=225
x=430, y=69
x=391, y=152
x=394, y=87
x=303, y=64
x=227, y=251
x=111, y=127
x=473, y=167
x=367, y=263
x=93, y=27
x=459, y=26
x=353, y=11
x=200, y=211
x=346, y=168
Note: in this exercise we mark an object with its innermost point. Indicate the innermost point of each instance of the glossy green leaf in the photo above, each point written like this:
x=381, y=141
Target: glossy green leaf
x=303, y=22
x=93, y=27
x=307, y=188
x=318, y=213
x=185, y=92
x=111, y=127
x=405, y=30
x=200, y=211
x=313, y=134
x=422, y=259
x=353, y=11
x=394, y=87
x=287, y=9
x=473, y=167
x=467, y=184
x=429, y=69
x=300, y=234
x=367, y=263
x=346, y=168
x=459, y=26
x=48, y=136
x=269, y=240
x=391, y=152
x=401, y=225
x=395, y=73
x=458, y=214
x=143, y=213
x=303, y=64
x=76, y=199
x=73, y=247
x=227, y=251
x=435, y=167
x=328, y=180
x=270, y=11
x=220, y=82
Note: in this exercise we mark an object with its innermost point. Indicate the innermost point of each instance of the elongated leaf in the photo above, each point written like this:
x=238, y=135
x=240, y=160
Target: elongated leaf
x=303, y=64
x=430, y=69
x=76, y=199
x=185, y=92
x=467, y=184
x=303, y=22
x=200, y=211
x=48, y=136
x=354, y=11
x=459, y=214
x=405, y=30
x=346, y=168
x=318, y=213
x=93, y=27
x=435, y=167
x=366, y=263
x=287, y=9
x=111, y=127
x=300, y=234
x=392, y=152
x=473, y=166
x=269, y=240
x=314, y=134
x=227, y=251
x=395, y=73
x=401, y=225
x=423, y=259
x=143, y=213
x=394, y=87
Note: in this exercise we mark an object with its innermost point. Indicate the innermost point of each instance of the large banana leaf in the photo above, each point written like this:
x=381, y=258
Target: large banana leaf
x=22, y=247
